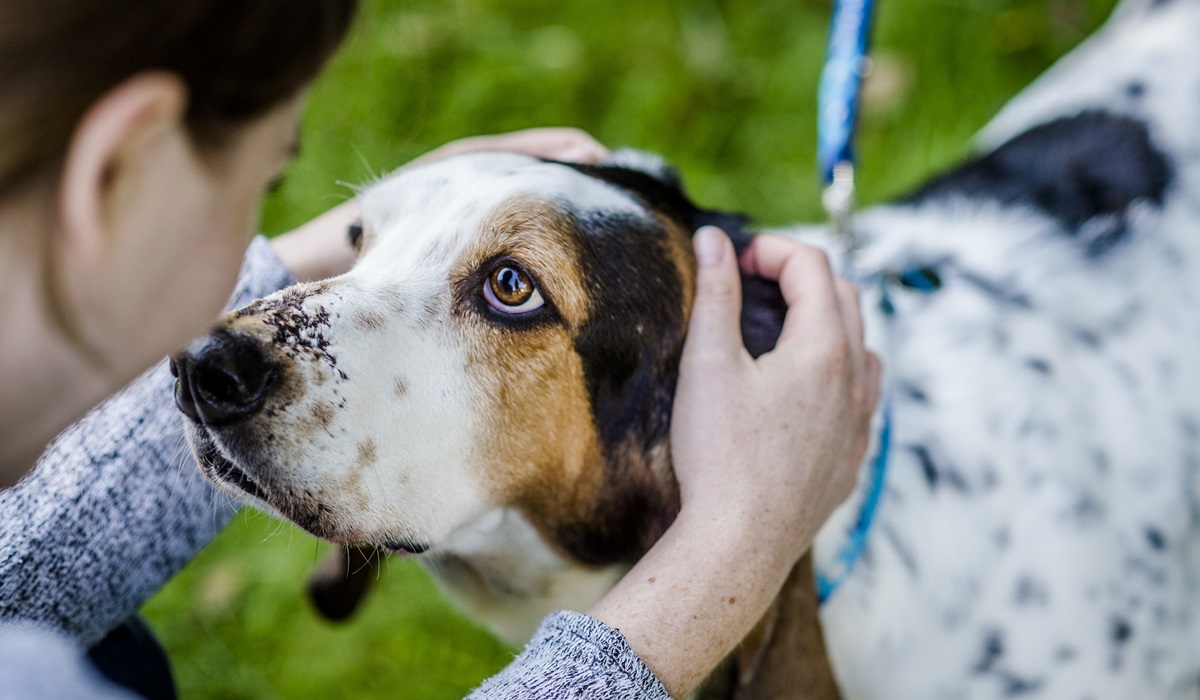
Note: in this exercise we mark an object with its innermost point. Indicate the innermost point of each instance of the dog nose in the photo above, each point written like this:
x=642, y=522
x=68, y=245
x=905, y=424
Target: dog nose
x=222, y=378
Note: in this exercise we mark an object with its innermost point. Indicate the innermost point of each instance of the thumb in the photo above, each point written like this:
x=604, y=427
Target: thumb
x=715, y=327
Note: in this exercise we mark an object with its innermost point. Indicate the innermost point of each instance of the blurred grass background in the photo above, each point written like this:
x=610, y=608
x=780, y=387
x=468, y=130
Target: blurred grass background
x=725, y=89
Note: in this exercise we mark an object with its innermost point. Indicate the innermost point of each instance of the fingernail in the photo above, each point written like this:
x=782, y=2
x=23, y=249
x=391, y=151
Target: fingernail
x=710, y=248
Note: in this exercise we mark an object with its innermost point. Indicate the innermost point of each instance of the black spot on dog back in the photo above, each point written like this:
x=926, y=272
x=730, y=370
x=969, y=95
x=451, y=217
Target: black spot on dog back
x=1030, y=591
x=1190, y=426
x=992, y=653
x=1120, y=631
x=1156, y=539
x=999, y=292
x=1073, y=169
x=991, y=663
x=912, y=392
x=928, y=468
x=1016, y=686
x=1087, y=338
x=935, y=475
x=901, y=549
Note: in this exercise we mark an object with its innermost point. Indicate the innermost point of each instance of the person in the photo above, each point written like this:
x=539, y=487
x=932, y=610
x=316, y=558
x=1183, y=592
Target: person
x=136, y=140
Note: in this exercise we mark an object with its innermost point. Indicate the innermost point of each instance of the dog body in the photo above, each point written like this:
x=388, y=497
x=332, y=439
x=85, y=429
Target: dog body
x=490, y=387
x=1038, y=534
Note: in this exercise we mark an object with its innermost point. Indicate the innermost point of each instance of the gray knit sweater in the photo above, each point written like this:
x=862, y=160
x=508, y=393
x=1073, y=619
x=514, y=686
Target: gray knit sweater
x=116, y=507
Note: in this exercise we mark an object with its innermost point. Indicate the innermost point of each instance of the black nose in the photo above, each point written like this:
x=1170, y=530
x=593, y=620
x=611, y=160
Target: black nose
x=222, y=378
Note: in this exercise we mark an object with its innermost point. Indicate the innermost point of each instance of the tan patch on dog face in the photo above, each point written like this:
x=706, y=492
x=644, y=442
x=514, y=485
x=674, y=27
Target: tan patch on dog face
x=542, y=238
x=683, y=257
x=542, y=450
x=539, y=447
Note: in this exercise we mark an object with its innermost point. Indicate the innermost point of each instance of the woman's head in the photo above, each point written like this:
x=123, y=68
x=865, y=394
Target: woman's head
x=94, y=95
x=237, y=59
x=136, y=140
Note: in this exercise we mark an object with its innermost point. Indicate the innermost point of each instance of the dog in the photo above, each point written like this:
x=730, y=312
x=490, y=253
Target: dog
x=490, y=389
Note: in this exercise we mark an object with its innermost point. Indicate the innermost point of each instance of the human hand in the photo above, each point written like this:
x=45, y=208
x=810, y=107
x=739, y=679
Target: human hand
x=772, y=444
x=553, y=143
x=321, y=249
x=764, y=450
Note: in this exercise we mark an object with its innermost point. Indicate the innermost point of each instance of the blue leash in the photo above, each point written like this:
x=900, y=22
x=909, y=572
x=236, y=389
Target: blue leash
x=837, y=109
x=851, y=552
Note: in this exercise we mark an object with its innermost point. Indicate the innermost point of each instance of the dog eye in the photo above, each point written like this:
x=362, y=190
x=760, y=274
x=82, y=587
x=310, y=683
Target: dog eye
x=355, y=233
x=510, y=290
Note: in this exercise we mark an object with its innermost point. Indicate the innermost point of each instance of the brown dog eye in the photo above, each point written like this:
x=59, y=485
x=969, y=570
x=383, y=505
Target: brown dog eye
x=510, y=290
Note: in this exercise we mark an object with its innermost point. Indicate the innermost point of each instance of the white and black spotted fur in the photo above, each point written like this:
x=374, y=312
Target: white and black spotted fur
x=1039, y=535
x=1039, y=531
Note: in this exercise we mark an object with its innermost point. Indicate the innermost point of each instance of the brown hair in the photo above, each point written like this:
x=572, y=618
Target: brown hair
x=238, y=58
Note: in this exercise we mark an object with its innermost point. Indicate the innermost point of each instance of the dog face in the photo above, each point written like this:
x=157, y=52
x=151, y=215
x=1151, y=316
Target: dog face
x=509, y=337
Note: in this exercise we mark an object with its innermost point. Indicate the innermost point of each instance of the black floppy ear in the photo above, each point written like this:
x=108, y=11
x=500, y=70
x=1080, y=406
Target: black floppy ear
x=763, y=309
x=658, y=185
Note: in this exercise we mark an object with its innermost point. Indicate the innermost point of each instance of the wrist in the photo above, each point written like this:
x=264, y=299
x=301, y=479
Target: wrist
x=319, y=249
x=696, y=594
x=753, y=540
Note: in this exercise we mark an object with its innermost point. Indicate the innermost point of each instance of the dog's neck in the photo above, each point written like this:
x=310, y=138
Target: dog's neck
x=502, y=571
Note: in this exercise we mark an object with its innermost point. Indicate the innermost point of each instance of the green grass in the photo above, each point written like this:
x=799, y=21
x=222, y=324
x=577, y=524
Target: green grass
x=726, y=90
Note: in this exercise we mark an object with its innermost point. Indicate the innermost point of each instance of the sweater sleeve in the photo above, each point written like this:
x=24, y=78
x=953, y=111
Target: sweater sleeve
x=574, y=656
x=116, y=506
x=36, y=663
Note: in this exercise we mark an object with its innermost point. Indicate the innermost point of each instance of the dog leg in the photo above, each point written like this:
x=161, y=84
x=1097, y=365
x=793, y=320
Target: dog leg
x=337, y=587
x=785, y=655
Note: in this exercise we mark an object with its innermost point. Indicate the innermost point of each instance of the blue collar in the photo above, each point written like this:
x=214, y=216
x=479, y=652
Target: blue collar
x=851, y=552
x=923, y=280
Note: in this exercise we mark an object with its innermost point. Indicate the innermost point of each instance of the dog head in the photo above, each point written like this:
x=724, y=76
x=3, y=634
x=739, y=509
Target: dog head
x=509, y=336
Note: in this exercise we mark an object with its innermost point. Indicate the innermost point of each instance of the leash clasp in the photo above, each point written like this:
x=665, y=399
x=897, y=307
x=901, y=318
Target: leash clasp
x=838, y=199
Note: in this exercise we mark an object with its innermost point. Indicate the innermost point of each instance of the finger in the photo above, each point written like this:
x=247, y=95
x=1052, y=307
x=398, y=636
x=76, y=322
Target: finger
x=714, y=330
x=554, y=143
x=801, y=270
x=767, y=253
x=807, y=284
x=850, y=309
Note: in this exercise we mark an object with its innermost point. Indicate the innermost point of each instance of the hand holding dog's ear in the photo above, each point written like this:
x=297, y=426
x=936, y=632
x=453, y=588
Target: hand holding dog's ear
x=782, y=434
x=764, y=450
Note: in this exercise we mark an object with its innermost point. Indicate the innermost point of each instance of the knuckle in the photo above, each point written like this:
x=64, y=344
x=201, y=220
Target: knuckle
x=811, y=257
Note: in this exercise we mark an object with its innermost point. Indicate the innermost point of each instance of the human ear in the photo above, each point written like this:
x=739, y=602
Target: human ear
x=121, y=143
